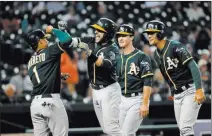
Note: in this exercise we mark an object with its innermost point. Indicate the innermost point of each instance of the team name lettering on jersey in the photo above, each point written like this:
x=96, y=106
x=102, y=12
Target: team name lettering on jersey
x=36, y=59
x=133, y=69
x=172, y=63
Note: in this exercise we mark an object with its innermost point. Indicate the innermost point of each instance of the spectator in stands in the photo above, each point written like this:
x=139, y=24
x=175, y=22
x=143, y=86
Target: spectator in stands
x=22, y=83
x=194, y=12
x=83, y=85
x=205, y=75
x=10, y=23
x=70, y=66
x=102, y=11
x=203, y=40
x=205, y=55
x=71, y=17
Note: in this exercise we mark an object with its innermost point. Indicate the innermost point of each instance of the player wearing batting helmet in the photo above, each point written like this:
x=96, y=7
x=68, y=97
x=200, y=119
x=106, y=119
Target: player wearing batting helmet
x=181, y=73
x=134, y=71
x=102, y=58
x=47, y=110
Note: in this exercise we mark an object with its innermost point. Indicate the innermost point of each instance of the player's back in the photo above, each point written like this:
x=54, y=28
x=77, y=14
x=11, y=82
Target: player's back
x=44, y=70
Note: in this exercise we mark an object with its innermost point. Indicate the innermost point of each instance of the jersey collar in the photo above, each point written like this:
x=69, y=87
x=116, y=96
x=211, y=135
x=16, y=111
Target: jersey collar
x=164, y=48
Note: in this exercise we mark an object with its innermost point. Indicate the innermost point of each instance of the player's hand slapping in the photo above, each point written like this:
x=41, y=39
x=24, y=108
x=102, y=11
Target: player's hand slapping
x=64, y=76
x=62, y=25
x=144, y=110
x=199, y=96
x=49, y=29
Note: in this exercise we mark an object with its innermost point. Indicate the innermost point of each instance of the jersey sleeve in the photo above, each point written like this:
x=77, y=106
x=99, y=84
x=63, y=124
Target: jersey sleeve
x=112, y=58
x=182, y=53
x=146, y=66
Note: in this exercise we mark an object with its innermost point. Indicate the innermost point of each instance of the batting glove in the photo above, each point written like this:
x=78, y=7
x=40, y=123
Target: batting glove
x=62, y=25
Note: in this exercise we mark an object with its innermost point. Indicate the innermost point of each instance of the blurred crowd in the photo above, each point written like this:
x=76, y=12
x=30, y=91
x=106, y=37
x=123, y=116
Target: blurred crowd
x=187, y=22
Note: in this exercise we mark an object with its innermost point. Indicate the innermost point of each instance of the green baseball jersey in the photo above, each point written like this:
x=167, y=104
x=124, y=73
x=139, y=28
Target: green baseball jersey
x=132, y=69
x=44, y=70
x=106, y=73
x=172, y=61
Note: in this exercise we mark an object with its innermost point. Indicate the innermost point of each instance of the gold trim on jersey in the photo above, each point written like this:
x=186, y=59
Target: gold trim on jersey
x=60, y=48
x=125, y=72
x=165, y=67
x=149, y=74
x=187, y=60
x=121, y=63
x=94, y=67
x=94, y=73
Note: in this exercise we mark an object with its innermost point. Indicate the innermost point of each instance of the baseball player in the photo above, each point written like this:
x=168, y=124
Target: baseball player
x=134, y=71
x=47, y=110
x=102, y=58
x=181, y=73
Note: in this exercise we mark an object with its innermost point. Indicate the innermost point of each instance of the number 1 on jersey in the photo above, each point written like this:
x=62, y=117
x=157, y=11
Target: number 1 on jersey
x=36, y=74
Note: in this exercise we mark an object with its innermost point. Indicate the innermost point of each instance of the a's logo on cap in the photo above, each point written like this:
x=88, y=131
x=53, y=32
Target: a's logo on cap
x=152, y=26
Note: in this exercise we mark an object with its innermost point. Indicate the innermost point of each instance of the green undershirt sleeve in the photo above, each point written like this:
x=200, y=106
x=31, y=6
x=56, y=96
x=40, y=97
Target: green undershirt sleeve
x=195, y=73
x=62, y=36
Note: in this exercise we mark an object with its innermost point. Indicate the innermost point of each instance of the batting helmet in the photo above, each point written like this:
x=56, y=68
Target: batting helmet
x=157, y=27
x=126, y=29
x=107, y=26
x=34, y=37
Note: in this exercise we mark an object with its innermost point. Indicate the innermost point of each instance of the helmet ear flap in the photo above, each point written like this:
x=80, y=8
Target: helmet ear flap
x=160, y=35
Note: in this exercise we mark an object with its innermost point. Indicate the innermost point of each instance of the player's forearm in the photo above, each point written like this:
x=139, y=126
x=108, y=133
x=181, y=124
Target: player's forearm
x=99, y=61
x=195, y=74
x=146, y=94
x=147, y=89
x=62, y=36
x=104, y=63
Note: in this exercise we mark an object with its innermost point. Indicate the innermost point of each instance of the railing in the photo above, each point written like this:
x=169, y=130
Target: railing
x=95, y=130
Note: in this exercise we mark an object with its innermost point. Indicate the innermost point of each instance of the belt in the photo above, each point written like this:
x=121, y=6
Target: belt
x=98, y=87
x=42, y=96
x=132, y=94
x=181, y=89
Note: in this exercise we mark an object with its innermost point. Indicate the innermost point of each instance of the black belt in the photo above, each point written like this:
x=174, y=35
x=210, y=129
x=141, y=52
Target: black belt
x=43, y=96
x=98, y=87
x=132, y=94
x=181, y=89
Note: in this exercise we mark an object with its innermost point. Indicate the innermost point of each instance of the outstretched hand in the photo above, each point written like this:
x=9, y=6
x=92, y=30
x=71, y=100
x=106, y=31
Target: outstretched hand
x=84, y=46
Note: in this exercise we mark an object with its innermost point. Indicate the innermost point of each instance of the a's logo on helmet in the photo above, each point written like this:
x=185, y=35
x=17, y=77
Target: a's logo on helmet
x=99, y=23
x=152, y=26
x=122, y=29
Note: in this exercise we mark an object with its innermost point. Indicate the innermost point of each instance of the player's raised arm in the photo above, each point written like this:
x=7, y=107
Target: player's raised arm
x=64, y=38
